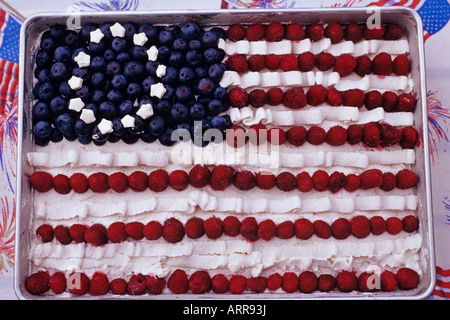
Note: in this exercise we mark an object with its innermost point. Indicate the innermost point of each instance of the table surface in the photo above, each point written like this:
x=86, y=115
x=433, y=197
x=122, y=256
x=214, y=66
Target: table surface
x=434, y=13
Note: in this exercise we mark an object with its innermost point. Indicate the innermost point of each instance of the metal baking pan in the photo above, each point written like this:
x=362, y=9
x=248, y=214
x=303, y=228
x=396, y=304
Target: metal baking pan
x=409, y=19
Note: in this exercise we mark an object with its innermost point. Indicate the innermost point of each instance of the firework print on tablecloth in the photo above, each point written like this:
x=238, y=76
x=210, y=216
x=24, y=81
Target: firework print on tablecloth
x=438, y=122
x=111, y=5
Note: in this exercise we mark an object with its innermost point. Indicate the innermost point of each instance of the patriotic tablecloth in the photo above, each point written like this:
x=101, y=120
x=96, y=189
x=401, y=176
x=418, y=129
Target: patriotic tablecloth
x=435, y=15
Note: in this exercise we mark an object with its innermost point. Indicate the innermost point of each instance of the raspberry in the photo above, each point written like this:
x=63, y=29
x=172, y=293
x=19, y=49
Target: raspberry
x=345, y=64
x=96, y=235
x=363, y=66
x=335, y=32
x=194, y=228
x=295, y=32
x=296, y=135
x=135, y=230
x=274, y=281
x=98, y=182
x=316, y=135
x=237, y=62
x=78, y=283
x=304, y=229
x=61, y=184
x=371, y=134
x=336, y=182
x=354, y=98
x=389, y=135
x=389, y=101
x=58, y=282
x=320, y=180
x=322, y=229
x=290, y=282
x=158, y=180
x=37, y=283
x=314, y=31
x=221, y=177
x=173, y=230
x=373, y=100
x=219, y=283
x=346, y=281
x=265, y=180
x=382, y=64
x=179, y=180
x=137, y=284
x=199, y=176
x=401, y=65
x=152, y=230
x=409, y=138
x=410, y=223
x=276, y=136
x=238, y=97
x=272, y=61
x=286, y=181
x=237, y=284
x=393, y=31
x=294, y=98
x=394, y=225
x=236, y=136
x=199, y=282
x=155, y=285
x=377, y=225
x=213, y=227
x=257, y=134
x=62, y=234
x=79, y=183
x=118, y=286
x=360, y=226
x=249, y=229
x=316, y=95
x=352, y=182
x=288, y=62
x=353, y=32
x=335, y=98
x=372, y=178
x=336, y=136
x=267, y=229
x=341, y=228
x=274, y=32
x=45, y=233
x=275, y=96
x=77, y=232
x=307, y=282
x=257, y=284
x=304, y=182
x=256, y=62
x=138, y=181
x=388, y=281
x=365, y=283
x=116, y=232
x=231, y=226
x=375, y=32
x=306, y=61
x=389, y=181
x=407, y=278
x=118, y=181
x=354, y=133
x=99, y=284
x=236, y=32
x=255, y=32
x=41, y=181
x=405, y=103
x=258, y=98
x=325, y=61
x=285, y=230
x=326, y=282
x=406, y=179
x=244, y=180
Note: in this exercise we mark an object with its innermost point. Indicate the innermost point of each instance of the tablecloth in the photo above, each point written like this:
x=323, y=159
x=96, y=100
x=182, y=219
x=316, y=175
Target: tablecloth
x=435, y=15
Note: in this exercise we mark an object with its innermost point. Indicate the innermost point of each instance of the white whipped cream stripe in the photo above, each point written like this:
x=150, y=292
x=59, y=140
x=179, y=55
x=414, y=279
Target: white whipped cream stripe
x=231, y=255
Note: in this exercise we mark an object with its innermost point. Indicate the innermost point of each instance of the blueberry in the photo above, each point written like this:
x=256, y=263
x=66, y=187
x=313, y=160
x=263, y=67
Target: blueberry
x=62, y=54
x=180, y=44
x=83, y=92
x=130, y=30
x=186, y=75
x=41, y=141
x=198, y=129
x=97, y=48
x=150, y=31
x=215, y=71
x=214, y=107
x=115, y=97
x=147, y=137
x=219, y=122
x=162, y=108
x=47, y=44
x=197, y=111
x=134, y=90
x=183, y=93
x=209, y=39
x=119, y=44
x=98, y=80
x=195, y=44
x=165, y=38
x=42, y=75
x=57, y=32
x=119, y=82
x=123, y=57
x=82, y=73
x=201, y=72
x=56, y=136
x=221, y=33
x=64, y=123
x=40, y=111
x=179, y=113
x=139, y=53
x=43, y=59
x=93, y=107
x=129, y=138
x=139, y=126
x=45, y=91
x=58, y=105
x=84, y=140
x=205, y=87
x=97, y=96
x=171, y=76
x=65, y=90
x=156, y=125
x=42, y=129
x=176, y=59
x=133, y=70
x=118, y=128
x=166, y=138
x=98, y=64
x=71, y=39
x=147, y=83
x=190, y=30
x=113, y=68
x=98, y=136
x=211, y=56
x=220, y=93
x=59, y=71
x=151, y=66
x=104, y=28
x=113, y=138
x=109, y=55
x=194, y=58
x=125, y=107
x=163, y=54
x=185, y=126
x=85, y=31
x=107, y=110
x=82, y=129
x=170, y=92
x=77, y=51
